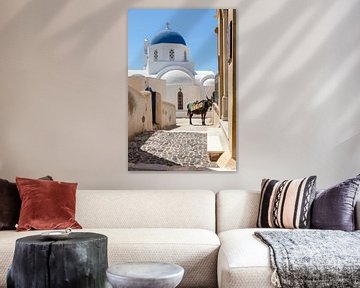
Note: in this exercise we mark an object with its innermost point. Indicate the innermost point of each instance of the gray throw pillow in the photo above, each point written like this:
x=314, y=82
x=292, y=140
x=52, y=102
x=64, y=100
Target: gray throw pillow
x=334, y=208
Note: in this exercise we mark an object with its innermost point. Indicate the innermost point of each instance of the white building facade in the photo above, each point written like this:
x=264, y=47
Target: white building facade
x=167, y=57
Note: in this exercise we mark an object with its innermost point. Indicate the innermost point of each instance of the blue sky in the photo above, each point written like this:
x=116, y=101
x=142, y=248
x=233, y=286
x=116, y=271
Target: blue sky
x=195, y=25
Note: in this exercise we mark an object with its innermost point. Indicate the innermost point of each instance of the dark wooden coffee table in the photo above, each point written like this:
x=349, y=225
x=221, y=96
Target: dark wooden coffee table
x=80, y=261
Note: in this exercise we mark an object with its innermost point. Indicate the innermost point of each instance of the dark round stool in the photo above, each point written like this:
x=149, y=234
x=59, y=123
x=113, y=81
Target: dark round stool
x=79, y=260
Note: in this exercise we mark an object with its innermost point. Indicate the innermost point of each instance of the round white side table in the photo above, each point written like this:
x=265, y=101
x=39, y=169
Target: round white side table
x=145, y=275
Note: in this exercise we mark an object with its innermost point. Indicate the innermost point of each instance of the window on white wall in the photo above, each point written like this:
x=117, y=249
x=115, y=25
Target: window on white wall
x=185, y=56
x=172, y=55
x=180, y=100
x=156, y=55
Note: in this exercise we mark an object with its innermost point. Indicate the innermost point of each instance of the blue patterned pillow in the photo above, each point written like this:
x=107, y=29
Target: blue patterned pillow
x=334, y=208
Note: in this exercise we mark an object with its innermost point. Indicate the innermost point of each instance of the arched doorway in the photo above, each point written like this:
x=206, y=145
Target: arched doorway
x=153, y=103
x=180, y=100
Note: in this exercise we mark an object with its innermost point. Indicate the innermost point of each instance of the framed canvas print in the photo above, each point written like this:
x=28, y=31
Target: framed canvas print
x=182, y=89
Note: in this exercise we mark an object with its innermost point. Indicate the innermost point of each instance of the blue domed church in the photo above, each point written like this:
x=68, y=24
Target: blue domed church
x=167, y=57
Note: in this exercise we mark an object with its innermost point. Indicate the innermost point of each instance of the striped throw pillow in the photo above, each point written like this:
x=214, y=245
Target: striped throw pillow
x=286, y=204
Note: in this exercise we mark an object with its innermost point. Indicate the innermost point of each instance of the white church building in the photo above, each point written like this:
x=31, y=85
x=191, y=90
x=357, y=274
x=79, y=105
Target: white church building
x=167, y=57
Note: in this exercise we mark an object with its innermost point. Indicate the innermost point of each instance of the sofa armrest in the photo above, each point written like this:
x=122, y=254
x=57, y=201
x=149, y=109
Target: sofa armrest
x=357, y=215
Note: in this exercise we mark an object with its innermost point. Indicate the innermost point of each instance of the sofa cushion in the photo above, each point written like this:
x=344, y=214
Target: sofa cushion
x=46, y=204
x=286, y=204
x=153, y=209
x=334, y=208
x=244, y=261
x=236, y=209
x=194, y=249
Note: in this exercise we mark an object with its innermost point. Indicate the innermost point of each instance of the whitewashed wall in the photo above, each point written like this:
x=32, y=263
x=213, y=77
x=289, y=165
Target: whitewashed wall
x=168, y=114
x=139, y=112
x=190, y=94
x=163, y=60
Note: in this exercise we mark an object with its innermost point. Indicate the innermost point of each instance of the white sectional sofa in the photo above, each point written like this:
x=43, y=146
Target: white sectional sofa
x=243, y=261
x=172, y=226
x=177, y=226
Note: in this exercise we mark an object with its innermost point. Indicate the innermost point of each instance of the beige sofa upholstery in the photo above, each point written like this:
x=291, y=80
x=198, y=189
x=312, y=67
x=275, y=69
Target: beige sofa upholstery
x=175, y=226
x=146, y=209
x=244, y=261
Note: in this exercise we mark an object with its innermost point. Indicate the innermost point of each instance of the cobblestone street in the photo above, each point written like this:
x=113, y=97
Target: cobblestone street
x=182, y=148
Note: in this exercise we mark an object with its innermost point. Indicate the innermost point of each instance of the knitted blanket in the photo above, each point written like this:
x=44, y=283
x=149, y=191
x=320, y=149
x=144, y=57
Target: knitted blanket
x=313, y=258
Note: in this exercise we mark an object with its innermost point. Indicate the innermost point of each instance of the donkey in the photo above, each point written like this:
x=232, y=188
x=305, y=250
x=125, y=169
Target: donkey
x=199, y=107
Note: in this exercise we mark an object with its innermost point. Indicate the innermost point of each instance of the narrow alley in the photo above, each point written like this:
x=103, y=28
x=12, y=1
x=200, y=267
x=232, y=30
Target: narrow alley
x=184, y=147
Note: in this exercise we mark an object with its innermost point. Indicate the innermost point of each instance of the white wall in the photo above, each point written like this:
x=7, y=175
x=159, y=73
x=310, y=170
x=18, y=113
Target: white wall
x=164, y=50
x=63, y=74
x=190, y=94
x=168, y=114
x=163, y=59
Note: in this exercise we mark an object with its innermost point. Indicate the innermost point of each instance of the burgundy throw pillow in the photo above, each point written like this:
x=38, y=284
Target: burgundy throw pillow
x=46, y=204
x=10, y=204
